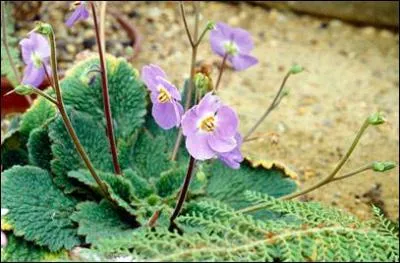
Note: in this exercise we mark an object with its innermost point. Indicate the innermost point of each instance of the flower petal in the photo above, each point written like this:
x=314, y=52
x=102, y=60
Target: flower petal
x=164, y=115
x=178, y=112
x=189, y=121
x=197, y=146
x=243, y=40
x=221, y=34
x=234, y=157
x=33, y=76
x=221, y=144
x=40, y=45
x=27, y=49
x=80, y=13
x=150, y=74
x=209, y=104
x=3, y=240
x=169, y=87
x=241, y=62
x=227, y=122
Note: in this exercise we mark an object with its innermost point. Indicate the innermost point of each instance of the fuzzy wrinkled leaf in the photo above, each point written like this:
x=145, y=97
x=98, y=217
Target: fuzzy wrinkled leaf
x=82, y=90
x=20, y=250
x=228, y=185
x=38, y=210
x=39, y=149
x=97, y=221
x=66, y=158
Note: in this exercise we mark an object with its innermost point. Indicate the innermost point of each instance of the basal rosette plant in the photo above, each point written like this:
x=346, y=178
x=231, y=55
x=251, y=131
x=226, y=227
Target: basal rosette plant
x=99, y=160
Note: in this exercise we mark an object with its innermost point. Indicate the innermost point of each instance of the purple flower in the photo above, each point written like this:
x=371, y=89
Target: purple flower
x=235, y=42
x=210, y=129
x=234, y=157
x=80, y=13
x=3, y=236
x=35, y=54
x=167, y=111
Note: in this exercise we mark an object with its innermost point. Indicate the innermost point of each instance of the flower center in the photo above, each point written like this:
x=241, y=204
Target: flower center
x=164, y=95
x=36, y=59
x=208, y=124
x=231, y=48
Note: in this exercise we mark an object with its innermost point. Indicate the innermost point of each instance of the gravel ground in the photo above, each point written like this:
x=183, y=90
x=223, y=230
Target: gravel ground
x=351, y=72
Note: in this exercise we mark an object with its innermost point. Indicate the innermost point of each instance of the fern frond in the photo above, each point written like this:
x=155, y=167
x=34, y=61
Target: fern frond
x=309, y=212
x=222, y=234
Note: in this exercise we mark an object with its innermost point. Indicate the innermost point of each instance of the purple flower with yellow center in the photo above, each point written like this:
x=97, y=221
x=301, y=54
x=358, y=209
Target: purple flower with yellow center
x=234, y=157
x=36, y=55
x=211, y=130
x=167, y=111
x=236, y=43
x=80, y=13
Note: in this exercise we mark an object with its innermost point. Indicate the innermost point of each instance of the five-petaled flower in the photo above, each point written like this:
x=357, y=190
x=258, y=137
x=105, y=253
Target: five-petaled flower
x=211, y=131
x=236, y=43
x=4, y=211
x=36, y=55
x=80, y=13
x=167, y=111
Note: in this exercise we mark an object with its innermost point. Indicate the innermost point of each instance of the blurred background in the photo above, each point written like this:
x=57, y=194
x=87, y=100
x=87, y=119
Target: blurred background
x=350, y=51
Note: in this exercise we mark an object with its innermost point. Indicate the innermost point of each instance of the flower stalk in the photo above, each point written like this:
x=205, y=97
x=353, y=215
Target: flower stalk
x=184, y=190
x=331, y=177
x=194, y=44
x=48, y=30
x=221, y=70
x=271, y=107
x=106, y=96
x=7, y=48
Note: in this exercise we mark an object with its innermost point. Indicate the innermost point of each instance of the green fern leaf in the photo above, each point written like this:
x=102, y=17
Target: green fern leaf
x=38, y=210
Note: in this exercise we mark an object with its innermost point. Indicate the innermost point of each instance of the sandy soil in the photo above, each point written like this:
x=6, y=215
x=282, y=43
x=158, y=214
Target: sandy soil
x=351, y=73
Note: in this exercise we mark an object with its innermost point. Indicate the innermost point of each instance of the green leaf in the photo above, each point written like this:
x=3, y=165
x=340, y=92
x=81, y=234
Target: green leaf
x=120, y=188
x=97, y=221
x=38, y=211
x=13, y=150
x=38, y=114
x=39, y=149
x=170, y=182
x=20, y=250
x=82, y=90
x=120, y=185
x=228, y=185
x=151, y=155
x=142, y=188
x=66, y=158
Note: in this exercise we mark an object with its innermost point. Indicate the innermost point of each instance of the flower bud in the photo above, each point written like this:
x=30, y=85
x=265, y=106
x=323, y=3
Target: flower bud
x=24, y=89
x=202, y=82
x=376, y=119
x=210, y=25
x=43, y=28
x=383, y=166
x=296, y=69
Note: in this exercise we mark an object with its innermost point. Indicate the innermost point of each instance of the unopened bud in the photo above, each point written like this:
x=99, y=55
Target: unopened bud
x=383, y=166
x=24, y=89
x=201, y=81
x=376, y=118
x=210, y=25
x=296, y=69
x=43, y=28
